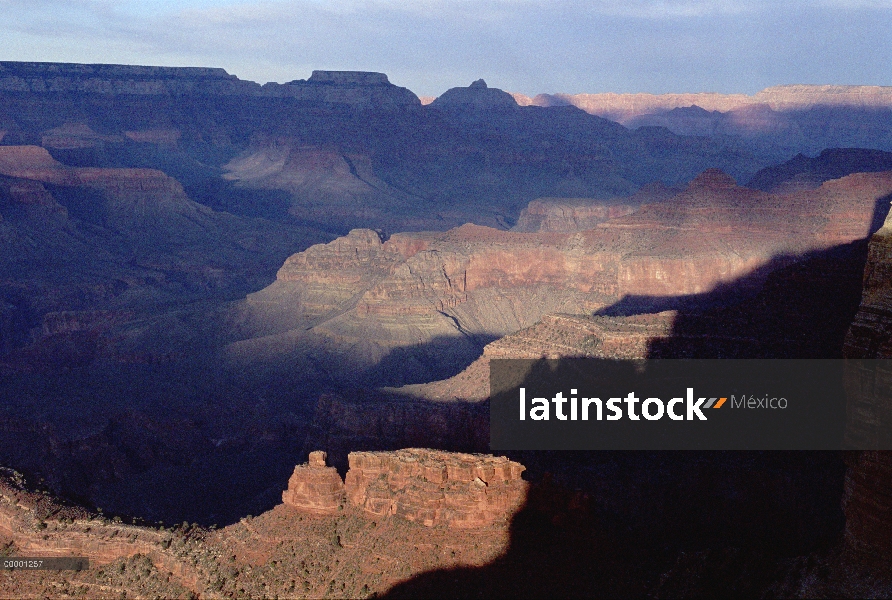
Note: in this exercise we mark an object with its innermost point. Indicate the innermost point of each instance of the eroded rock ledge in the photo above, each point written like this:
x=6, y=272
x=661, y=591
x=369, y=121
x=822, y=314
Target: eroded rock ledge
x=430, y=487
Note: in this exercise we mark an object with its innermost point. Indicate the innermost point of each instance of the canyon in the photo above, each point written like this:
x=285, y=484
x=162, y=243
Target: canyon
x=221, y=299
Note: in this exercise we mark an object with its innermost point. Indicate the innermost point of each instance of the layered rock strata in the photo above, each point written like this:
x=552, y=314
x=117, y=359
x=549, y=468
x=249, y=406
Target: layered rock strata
x=315, y=487
x=366, y=296
x=358, y=89
x=579, y=214
x=430, y=487
x=436, y=488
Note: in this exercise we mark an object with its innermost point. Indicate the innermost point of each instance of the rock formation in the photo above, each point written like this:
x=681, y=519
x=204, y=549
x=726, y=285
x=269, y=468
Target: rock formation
x=324, y=185
x=354, y=89
x=279, y=552
x=476, y=97
x=430, y=487
x=315, y=487
x=82, y=239
x=806, y=118
x=568, y=214
x=300, y=151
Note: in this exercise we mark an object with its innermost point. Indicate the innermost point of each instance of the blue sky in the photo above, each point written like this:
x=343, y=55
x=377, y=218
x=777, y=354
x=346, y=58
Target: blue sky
x=519, y=45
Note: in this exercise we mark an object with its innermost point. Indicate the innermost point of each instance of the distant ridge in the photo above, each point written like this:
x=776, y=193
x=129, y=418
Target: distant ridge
x=358, y=88
x=477, y=96
x=625, y=107
x=343, y=86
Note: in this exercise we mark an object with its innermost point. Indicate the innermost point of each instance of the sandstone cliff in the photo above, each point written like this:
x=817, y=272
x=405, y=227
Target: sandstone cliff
x=363, y=298
x=281, y=552
x=430, y=487
x=315, y=487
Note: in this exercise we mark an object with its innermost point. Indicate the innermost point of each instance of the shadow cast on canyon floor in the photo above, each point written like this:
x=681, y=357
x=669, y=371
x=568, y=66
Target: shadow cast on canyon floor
x=680, y=524
x=192, y=440
x=662, y=524
x=792, y=307
x=211, y=452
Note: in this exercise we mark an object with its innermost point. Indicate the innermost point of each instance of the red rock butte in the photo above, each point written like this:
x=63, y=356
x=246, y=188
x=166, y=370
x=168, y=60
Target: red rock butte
x=430, y=487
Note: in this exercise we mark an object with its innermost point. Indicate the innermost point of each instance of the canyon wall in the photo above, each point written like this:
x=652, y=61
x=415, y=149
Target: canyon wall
x=868, y=495
x=369, y=296
x=430, y=487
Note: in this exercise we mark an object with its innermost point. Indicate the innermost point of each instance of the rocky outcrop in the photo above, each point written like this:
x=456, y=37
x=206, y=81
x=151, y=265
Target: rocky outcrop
x=132, y=196
x=119, y=79
x=78, y=240
x=355, y=89
x=315, y=487
x=436, y=488
x=430, y=487
x=569, y=214
x=554, y=336
x=805, y=118
x=71, y=136
x=323, y=184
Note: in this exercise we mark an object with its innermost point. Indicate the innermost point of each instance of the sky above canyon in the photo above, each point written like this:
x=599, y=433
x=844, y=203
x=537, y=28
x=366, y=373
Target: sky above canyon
x=526, y=46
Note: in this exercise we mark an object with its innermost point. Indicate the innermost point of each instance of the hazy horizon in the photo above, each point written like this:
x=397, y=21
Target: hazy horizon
x=524, y=46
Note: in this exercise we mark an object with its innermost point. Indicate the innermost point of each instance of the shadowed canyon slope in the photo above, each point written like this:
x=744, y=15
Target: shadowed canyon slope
x=867, y=504
x=118, y=240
